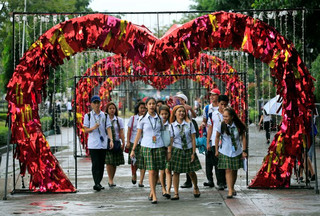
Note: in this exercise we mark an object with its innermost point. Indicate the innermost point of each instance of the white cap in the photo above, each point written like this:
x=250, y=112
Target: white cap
x=183, y=96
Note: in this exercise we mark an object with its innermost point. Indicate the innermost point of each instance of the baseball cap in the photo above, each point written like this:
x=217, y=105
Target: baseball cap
x=95, y=98
x=215, y=91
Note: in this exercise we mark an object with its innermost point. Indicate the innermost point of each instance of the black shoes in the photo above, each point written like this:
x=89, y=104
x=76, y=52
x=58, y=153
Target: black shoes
x=175, y=197
x=102, y=188
x=141, y=185
x=112, y=185
x=208, y=184
x=168, y=196
x=134, y=181
x=97, y=188
x=220, y=187
x=229, y=196
x=186, y=185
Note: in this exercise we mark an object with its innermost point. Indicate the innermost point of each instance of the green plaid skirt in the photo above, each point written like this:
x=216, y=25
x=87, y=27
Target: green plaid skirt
x=168, y=165
x=138, y=156
x=233, y=163
x=153, y=158
x=180, y=161
x=114, y=159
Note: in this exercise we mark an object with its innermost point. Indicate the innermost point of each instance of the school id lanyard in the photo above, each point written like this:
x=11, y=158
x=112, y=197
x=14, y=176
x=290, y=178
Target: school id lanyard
x=154, y=138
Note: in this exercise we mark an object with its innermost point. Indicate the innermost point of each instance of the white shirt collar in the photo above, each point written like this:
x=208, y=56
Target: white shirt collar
x=94, y=113
x=176, y=123
x=114, y=118
x=233, y=125
x=147, y=115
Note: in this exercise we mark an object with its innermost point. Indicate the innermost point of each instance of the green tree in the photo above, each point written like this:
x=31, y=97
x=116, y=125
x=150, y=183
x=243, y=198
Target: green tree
x=315, y=71
x=8, y=6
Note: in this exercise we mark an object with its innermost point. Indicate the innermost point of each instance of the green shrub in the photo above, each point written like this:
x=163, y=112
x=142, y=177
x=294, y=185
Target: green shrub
x=252, y=115
x=3, y=134
x=3, y=116
x=46, y=123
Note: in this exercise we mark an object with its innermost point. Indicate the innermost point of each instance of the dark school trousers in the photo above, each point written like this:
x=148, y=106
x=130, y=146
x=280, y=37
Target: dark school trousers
x=266, y=126
x=212, y=160
x=98, y=157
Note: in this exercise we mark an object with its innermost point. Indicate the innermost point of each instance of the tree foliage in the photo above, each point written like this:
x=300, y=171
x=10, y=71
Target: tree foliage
x=33, y=6
x=315, y=71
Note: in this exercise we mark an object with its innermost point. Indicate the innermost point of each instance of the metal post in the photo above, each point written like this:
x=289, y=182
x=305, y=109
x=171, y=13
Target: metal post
x=7, y=160
x=14, y=63
x=314, y=155
x=75, y=132
x=247, y=134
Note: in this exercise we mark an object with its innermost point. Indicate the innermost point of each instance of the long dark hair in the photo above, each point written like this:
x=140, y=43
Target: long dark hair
x=239, y=124
x=136, y=108
x=116, y=113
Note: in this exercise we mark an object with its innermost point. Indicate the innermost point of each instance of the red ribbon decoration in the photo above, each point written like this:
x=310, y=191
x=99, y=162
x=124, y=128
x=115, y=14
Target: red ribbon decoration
x=216, y=30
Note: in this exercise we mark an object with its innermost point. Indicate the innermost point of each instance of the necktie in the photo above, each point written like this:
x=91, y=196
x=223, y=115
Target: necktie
x=112, y=130
x=183, y=137
x=233, y=140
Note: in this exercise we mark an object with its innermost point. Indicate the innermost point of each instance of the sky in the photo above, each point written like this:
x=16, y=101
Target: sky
x=148, y=20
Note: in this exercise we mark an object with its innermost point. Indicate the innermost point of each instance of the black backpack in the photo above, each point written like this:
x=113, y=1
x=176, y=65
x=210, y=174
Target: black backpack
x=195, y=124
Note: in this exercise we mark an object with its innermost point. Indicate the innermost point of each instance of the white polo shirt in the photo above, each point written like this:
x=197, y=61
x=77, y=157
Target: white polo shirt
x=134, y=128
x=215, y=120
x=151, y=126
x=188, y=129
x=94, y=141
x=226, y=143
x=166, y=126
x=115, y=126
x=266, y=118
x=211, y=109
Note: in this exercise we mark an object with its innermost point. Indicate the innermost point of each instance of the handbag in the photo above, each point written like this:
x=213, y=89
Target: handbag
x=166, y=139
x=116, y=146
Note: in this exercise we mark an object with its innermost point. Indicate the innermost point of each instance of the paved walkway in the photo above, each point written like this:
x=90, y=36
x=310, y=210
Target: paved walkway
x=131, y=200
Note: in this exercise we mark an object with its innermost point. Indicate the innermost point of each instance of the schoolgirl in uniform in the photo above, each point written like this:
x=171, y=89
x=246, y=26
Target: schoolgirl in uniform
x=114, y=159
x=152, y=147
x=233, y=147
x=165, y=175
x=182, y=150
x=139, y=111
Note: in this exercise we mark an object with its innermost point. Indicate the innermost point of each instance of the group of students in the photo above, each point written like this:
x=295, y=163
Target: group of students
x=147, y=151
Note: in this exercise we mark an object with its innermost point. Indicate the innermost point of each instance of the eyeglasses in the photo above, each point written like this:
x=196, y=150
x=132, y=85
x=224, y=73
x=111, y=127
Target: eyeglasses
x=96, y=102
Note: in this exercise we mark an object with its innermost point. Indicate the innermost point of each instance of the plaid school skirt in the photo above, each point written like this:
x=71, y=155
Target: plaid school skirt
x=233, y=163
x=153, y=158
x=138, y=156
x=114, y=159
x=181, y=161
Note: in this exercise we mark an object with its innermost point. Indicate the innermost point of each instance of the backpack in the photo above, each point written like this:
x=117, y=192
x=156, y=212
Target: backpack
x=206, y=110
x=195, y=124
